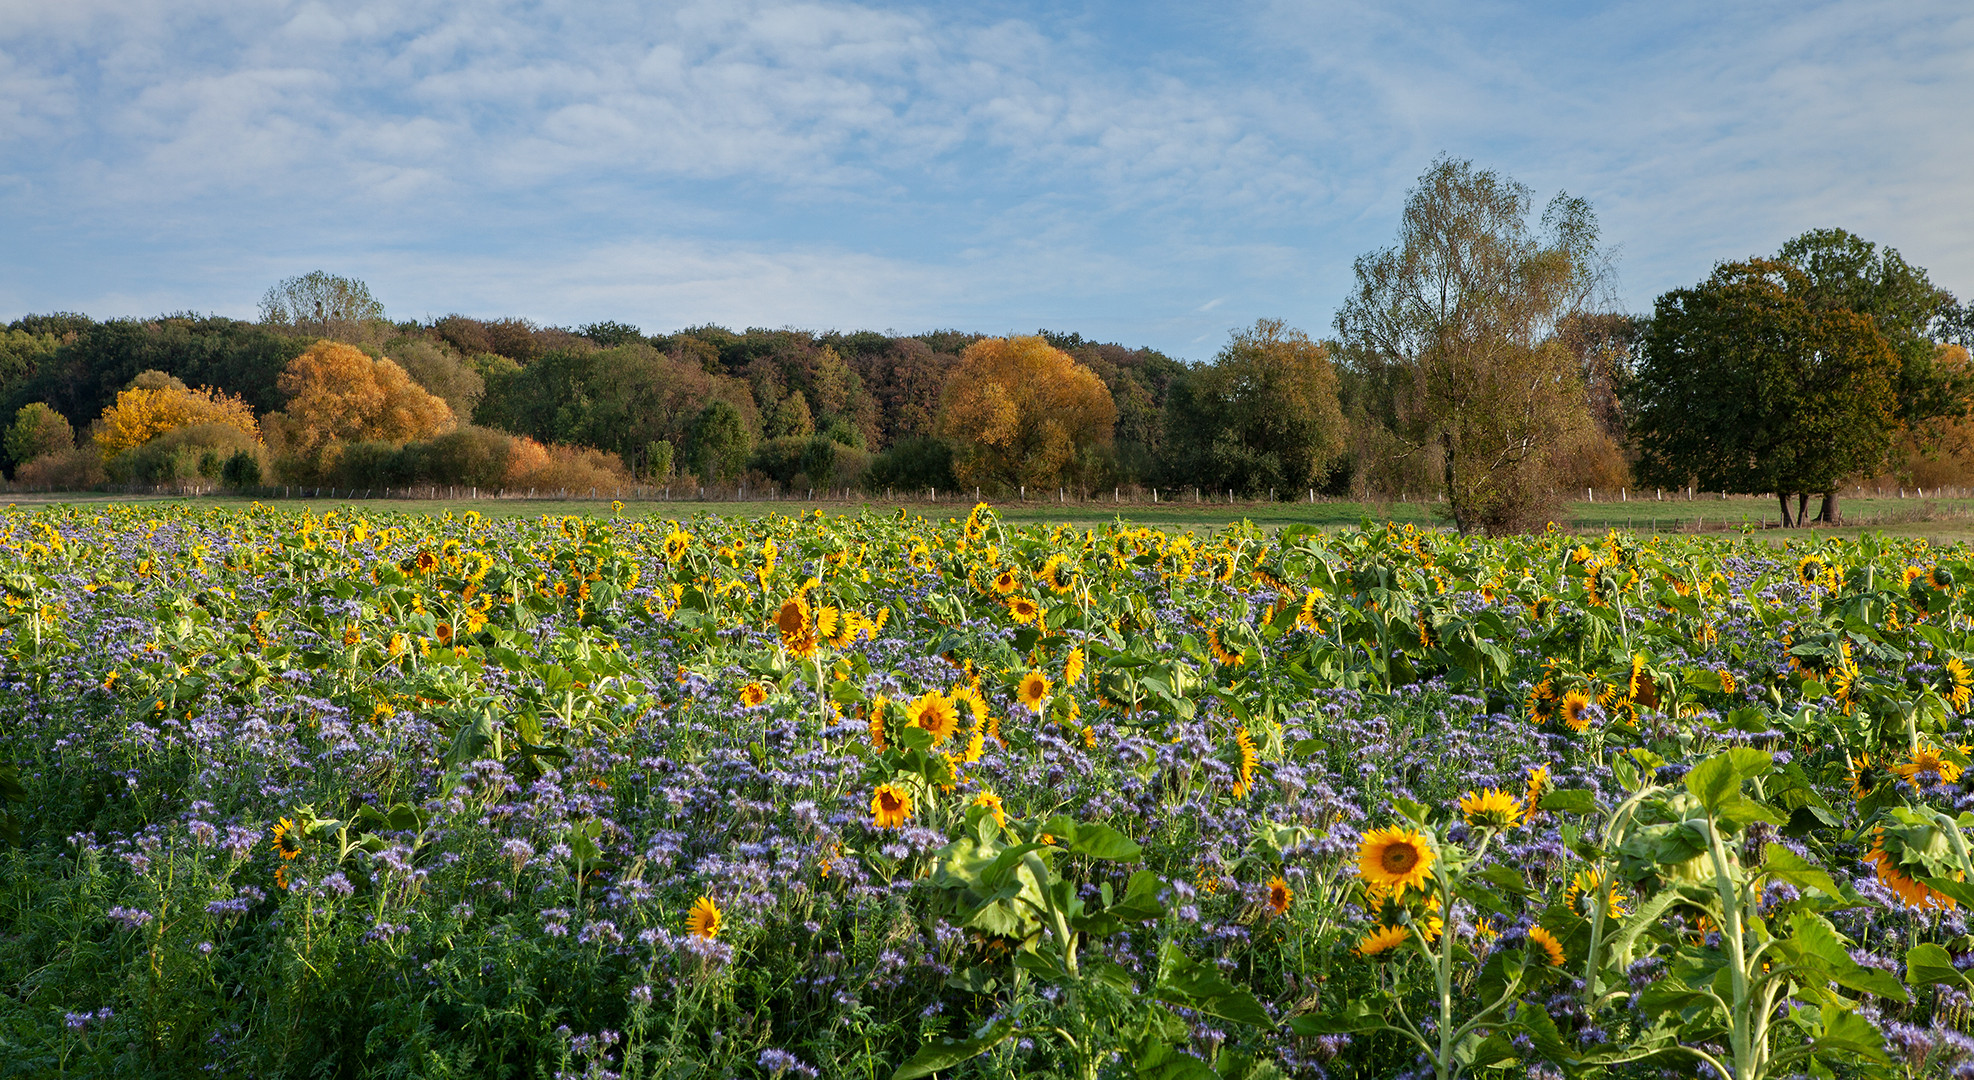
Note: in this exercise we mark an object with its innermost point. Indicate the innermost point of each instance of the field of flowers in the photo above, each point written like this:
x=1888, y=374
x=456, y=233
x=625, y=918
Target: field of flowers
x=299, y=795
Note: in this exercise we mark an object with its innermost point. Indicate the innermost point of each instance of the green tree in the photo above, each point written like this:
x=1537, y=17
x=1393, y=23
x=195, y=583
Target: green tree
x=658, y=460
x=719, y=442
x=791, y=418
x=321, y=304
x=37, y=431
x=1750, y=383
x=1844, y=271
x=1262, y=416
x=1466, y=310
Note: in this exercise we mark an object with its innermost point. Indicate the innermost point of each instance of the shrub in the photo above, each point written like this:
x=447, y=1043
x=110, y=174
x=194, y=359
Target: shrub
x=557, y=467
x=467, y=457
x=197, y=452
x=242, y=470
x=914, y=464
x=75, y=469
x=38, y=431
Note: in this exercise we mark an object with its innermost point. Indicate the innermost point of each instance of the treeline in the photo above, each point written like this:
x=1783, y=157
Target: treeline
x=1478, y=358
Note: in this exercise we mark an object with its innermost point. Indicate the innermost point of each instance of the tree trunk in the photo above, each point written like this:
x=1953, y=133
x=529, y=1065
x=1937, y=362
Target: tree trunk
x=1453, y=500
x=1802, y=509
x=1829, y=513
x=1783, y=497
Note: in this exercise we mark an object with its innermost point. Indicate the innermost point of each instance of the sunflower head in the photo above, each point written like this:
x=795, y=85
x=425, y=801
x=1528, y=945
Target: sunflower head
x=936, y=713
x=994, y=806
x=890, y=806
x=1960, y=684
x=1491, y=809
x=1395, y=859
x=792, y=618
x=1279, y=895
x=1902, y=854
x=1552, y=950
x=1926, y=766
x=1023, y=609
x=753, y=694
x=1809, y=570
x=1587, y=893
x=1248, y=758
x=1381, y=940
x=1940, y=577
x=703, y=921
x=1033, y=692
x=287, y=839
x=1867, y=777
x=1575, y=711
x=1072, y=666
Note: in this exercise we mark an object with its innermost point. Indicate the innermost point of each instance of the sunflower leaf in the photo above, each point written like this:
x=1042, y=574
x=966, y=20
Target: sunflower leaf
x=946, y=1053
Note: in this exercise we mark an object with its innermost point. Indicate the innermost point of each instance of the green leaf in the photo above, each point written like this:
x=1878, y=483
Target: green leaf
x=1202, y=988
x=1570, y=801
x=1100, y=841
x=1931, y=965
x=1714, y=780
x=1782, y=864
x=947, y=1053
x=1844, y=1029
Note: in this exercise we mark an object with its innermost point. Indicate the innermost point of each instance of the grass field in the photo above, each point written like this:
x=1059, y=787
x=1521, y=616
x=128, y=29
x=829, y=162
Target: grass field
x=1940, y=520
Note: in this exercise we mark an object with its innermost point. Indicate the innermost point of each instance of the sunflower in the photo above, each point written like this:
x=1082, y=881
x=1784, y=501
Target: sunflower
x=1641, y=687
x=1280, y=896
x=792, y=618
x=1381, y=939
x=1809, y=570
x=828, y=621
x=1491, y=809
x=1244, y=745
x=287, y=839
x=1033, y=691
x=994, y=806
x=889, y=806
x=1542, y=701
x=1308, y=615
x=444, y=633
x=1914, y=894
x=1072, y=667
x=1538, y=785
x=1005, y=582
x=1552, y=948
x=934, y=712
x=1023, y=609
x=1221, y=653
x=1960, y=684
x=1395, y=859
x=1940, y=577
x=753, y=694
x=703, y=921
x=1588, y=887
x=1866, y=777
x=1727, y=683
x=1927, y=760
x=876, y=724
x=1576, y=711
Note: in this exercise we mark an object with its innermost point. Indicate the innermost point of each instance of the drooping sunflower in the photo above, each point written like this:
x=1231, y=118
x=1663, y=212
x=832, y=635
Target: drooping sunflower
x=753, y=694
x=1542, y=701
x=994, y=806
x=1914, y=894
x=1308, y=615
x=1249, y=757
x=1587, y=892
x=287, y=839
x=1072, y=666
x=677, y=544
x=1033, y=691
x=703, y=921
x=1381, y=939
x=1491, y=809
x=1940, y=577
x=1538, y=786
x=1960, y=684
x=1575, y=711
x=1866, y=777
x=890, y=806
x=1641, y=686
x=1395, y=859
x=1280, y=896
x=934, y=712
x=1551, y=948
x=1727, y=683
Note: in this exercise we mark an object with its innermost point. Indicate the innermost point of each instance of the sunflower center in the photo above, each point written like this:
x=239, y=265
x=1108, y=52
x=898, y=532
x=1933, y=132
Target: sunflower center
x=1399, y=858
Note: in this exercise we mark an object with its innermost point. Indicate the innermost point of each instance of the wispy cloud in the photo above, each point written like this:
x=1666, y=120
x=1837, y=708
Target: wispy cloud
x=836, y=163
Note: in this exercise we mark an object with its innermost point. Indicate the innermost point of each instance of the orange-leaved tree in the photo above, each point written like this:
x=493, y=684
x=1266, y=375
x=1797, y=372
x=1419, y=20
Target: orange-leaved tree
x=337, y=393
x=145, y=411
x=1021, y=411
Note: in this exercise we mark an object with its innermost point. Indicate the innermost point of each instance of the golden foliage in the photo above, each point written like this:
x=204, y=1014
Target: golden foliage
x=141, y=414
x=1021, y=411
x=337, y=393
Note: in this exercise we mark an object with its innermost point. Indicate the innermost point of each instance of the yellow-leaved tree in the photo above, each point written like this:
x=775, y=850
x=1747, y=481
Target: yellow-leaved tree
x=153, y=406
x=1020, y=411
x=338, y=394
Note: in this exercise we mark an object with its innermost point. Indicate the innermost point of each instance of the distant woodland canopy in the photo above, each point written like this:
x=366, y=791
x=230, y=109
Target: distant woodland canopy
x=1479, y=359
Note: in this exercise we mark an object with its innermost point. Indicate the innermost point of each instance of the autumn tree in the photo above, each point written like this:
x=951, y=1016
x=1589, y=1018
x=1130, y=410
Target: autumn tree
x=1843, y=271
x=1263, y=415
x=321, y=304
x=1748, y=383
x=1459, y=323
x=37, y=431
x=338, y=393
x=156, y=403
x=1020, y=411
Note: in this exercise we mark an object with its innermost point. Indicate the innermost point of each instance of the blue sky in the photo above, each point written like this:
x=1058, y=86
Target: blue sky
x=1152, y=173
